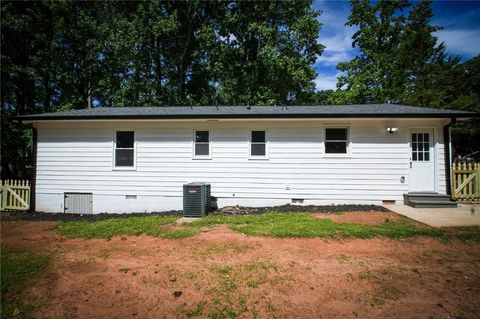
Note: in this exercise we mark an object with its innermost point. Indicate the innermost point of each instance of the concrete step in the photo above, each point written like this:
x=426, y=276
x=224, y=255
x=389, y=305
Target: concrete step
x=426, y=196
x=431, y=204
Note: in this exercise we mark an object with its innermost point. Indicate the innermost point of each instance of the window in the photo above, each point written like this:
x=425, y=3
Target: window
x=421, y=147
x=125, y=149
x=202, y=144
x=336, y=140
x=258, y=144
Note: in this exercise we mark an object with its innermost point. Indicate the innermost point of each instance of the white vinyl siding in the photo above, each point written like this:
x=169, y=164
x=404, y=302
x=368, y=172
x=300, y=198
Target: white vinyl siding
x=77, y=157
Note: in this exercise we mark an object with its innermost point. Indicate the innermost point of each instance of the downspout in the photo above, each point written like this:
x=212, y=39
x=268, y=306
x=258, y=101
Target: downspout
x=447, y=142
x=33, y=185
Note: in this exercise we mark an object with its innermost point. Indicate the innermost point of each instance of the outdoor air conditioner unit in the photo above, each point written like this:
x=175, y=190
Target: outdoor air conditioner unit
x=196, y=199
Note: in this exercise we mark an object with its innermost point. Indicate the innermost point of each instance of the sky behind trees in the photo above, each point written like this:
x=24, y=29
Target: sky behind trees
x=461, y=34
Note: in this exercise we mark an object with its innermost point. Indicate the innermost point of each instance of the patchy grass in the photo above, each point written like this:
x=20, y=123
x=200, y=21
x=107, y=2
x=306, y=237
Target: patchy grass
x=193, y=312
x=233, y=285
x=383, y=288
x=18, y=267
x=283, y=225
x=464, y=233
x=218, y=250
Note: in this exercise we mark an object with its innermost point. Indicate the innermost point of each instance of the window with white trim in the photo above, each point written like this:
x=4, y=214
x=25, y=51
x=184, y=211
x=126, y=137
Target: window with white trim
x=258, y=144
x=336, y=140
x=420, y=147
x=125, y=149
x=202, y=144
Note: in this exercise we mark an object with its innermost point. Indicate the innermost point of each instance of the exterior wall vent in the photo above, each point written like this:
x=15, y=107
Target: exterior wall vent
x=196, y=199
x=78, y=203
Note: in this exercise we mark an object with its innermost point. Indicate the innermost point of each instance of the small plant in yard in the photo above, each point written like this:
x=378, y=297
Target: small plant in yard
x=19, y=266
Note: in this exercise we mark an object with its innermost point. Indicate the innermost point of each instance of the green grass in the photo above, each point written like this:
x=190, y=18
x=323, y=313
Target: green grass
x=18, y=267
x=283, y=225
x=133, y=226
x=304, y=225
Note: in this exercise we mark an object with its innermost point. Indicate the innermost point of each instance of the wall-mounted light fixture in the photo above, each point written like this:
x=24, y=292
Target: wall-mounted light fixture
x=392, y=130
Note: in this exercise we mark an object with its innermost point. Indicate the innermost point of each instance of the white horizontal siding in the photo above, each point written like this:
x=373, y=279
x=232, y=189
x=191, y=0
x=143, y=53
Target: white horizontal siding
x=441, y=183
x=77, y=157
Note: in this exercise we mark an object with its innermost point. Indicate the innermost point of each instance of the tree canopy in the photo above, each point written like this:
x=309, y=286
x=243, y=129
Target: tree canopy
x=62, y=55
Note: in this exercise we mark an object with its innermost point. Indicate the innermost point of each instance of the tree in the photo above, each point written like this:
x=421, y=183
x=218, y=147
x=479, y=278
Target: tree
x=265, y=52
x=466, y=96
x=373, y=75
x=422, y=59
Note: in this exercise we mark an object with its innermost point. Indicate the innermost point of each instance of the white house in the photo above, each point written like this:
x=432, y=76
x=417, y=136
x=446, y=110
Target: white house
x=136, y=159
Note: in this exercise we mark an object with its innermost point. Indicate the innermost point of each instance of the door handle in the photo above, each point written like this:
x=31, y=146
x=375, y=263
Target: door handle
x=410, y=164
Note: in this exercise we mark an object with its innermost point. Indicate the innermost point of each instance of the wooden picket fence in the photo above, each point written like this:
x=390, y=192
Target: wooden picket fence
x=466, y=182
x=15, y=195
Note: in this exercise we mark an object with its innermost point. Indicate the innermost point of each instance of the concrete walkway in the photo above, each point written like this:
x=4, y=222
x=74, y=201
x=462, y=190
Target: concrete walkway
x=463, y=215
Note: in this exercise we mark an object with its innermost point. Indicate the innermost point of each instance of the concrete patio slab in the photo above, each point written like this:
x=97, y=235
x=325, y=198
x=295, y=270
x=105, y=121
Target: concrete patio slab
x=186, y=220
x=463, y=215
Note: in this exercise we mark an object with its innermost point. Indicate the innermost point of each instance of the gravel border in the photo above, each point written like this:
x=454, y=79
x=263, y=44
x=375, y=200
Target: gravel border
x=230, y=210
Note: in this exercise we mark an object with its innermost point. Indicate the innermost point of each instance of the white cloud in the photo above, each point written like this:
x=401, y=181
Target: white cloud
x=330, y=58
x=326, y=82
x=336, y=37
x=338, y=48
x=461, y=41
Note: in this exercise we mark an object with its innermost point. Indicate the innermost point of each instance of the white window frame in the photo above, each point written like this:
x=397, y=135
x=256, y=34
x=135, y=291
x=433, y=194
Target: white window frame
x=114, y=140
x=202, y=157
x=430, y=145
x=348, y=141
x=258, y=157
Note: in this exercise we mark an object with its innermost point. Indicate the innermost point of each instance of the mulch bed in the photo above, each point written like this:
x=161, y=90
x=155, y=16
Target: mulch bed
x=229, y=210
x=11, y=216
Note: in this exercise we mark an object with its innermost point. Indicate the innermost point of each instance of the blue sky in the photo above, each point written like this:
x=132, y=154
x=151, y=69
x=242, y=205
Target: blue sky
x=461, y=34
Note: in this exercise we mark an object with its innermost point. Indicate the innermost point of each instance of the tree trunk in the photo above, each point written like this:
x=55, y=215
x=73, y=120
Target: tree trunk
x=48, y=92
x=158, y=67
x=185, y=52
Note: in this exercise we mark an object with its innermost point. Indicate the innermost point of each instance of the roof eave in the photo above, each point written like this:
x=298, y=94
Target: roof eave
x=28, y=118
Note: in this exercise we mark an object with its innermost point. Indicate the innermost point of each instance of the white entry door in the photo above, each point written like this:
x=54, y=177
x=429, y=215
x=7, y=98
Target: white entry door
x=422, y=158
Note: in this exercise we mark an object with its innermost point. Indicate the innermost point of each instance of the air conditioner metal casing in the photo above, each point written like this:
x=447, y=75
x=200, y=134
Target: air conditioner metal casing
x=196, y=199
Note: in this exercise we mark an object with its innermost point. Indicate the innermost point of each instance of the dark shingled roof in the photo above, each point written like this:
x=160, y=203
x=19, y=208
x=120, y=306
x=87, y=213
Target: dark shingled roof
x=211, y=112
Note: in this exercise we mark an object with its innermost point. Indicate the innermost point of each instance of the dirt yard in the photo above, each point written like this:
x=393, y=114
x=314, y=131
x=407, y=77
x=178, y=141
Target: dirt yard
x=220, y=274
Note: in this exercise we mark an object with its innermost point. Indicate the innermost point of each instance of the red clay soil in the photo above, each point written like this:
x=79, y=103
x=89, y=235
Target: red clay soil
x=365, y=218
x=222, y=273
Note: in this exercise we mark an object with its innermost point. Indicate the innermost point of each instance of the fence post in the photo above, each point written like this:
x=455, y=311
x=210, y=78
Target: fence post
x=477, y=187
x=454, y=180
x=2, y=201
x=4, y=195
